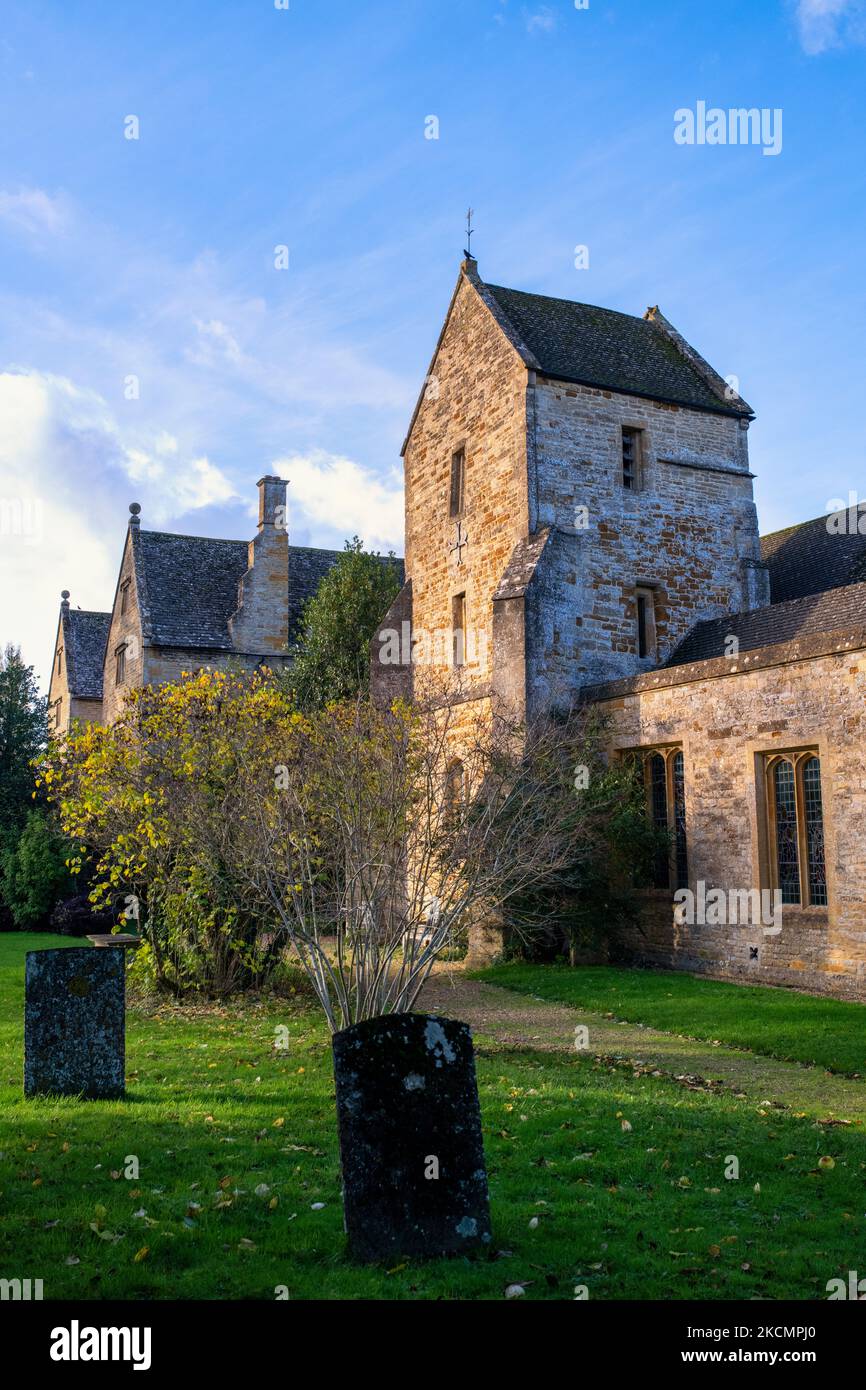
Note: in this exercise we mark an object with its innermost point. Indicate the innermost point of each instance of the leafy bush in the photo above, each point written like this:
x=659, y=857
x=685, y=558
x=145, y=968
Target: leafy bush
x=35, y=873
x=332, y=659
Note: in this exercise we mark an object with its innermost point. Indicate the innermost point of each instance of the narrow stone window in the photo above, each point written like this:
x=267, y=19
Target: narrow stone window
x=681, y=852
x=645, y=602
x=658, y=802
x=796, y=828
x=124, y=597
x=631, y=458
x=59, y=660
x=664, y=781
x=458, y=482
x=120, y=665
x=455, y=790
x=458, y=628
x=787, y=849
x=813, y=815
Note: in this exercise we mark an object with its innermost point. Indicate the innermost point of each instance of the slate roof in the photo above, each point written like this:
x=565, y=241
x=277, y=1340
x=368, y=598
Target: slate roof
x=831, y=611
x=84, y=637
x=809, y=559
x=602, y=347
x=188, y=586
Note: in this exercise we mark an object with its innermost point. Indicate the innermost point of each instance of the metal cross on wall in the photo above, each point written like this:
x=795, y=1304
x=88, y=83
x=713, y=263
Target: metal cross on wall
x=460, y=543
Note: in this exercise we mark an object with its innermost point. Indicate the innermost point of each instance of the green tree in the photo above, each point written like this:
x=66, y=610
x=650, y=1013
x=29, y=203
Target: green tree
x=23, y=734
x=332, y=658
x=35, y=875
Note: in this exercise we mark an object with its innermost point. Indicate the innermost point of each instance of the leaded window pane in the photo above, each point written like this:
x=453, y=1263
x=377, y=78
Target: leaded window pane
x=814, y=818
x=680, y=841
x=659, y=813
x=787, y=854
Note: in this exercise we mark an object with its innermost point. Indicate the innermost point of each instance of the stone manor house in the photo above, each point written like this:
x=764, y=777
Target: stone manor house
x=580, y=518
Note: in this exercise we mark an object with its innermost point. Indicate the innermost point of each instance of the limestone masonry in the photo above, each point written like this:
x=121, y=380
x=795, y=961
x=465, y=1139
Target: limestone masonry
x=580, y=526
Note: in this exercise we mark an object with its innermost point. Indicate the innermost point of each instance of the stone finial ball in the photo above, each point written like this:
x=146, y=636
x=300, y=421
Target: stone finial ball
x=135, y=508
x=64, y=593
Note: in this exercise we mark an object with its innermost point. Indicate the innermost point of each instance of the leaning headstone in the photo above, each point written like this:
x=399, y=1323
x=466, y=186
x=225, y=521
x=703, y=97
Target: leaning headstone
x=414, y=1180
x=74, y=1023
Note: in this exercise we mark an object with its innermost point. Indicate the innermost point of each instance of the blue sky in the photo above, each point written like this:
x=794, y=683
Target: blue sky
x=154, y=258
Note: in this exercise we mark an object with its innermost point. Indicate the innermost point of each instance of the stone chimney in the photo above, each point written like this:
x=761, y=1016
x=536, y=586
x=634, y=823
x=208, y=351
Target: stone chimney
x=260, y=623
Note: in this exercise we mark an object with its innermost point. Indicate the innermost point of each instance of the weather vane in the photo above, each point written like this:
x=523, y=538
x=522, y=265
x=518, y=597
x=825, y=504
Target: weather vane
x=469, y=232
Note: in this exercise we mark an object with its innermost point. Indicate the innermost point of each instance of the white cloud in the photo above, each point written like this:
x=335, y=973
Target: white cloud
x=540, y=21
x=33, y=211
x=335, y=494
x=825, y=24
x=65, y=474
x=215, y=343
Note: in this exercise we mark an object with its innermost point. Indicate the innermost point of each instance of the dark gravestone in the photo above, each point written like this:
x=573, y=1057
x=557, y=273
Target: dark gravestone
x=414, y=1181
x=74, y=1023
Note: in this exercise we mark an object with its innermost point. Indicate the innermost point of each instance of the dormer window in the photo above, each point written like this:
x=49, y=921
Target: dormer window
x=458, y=482
x=631, y=458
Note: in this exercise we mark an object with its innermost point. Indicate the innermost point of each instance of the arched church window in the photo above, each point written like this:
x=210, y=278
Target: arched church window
x=813, y=814
x=664, y=781
x=787, y=849
x=795, y=836
x=681, y=853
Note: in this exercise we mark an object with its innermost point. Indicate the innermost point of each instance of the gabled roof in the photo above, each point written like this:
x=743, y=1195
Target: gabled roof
x=590, y=346
x=832, y=611
x=599, y=347
x=188, y=586
x=810, y=559
x=84, y=637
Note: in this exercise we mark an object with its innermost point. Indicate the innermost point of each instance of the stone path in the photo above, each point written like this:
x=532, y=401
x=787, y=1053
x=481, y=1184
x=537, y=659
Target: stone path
x=503, y=1019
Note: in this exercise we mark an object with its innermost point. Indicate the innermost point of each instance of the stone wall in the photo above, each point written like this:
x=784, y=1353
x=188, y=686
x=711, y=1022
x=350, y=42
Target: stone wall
x=689, y=531
x=125, y=629
x=261, y=622
x=163, y=664
x=475, y=400
x=725, y=715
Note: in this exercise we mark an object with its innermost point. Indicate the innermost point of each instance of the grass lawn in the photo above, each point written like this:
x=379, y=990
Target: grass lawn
x=236, y=1145
x=775, y=1022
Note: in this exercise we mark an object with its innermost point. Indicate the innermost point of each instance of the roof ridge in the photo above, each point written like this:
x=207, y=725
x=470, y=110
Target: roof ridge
x=182, y=536
x=560, y=299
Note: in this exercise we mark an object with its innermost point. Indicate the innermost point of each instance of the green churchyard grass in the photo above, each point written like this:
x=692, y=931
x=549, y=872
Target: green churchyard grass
x=600, y=1178
x=776, y=1022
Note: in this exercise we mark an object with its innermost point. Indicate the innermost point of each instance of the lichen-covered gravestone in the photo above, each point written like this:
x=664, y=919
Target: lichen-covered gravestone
x=414, y=1181
x=74, y=1023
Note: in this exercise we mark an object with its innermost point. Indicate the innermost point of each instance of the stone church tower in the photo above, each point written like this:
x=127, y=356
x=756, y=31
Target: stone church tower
x=580, y=526
x=578, y=495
